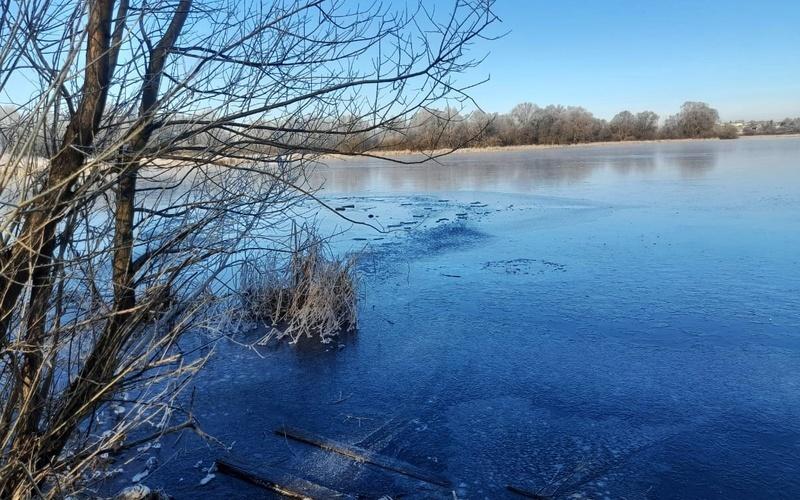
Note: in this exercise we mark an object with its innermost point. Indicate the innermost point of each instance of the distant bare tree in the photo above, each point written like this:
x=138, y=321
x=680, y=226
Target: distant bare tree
x=492, y=129
x=695, y=120
x=646, y=125
x=623, y=126
x=523, y=116
x=432, y=128
x=576, y=125
x=627, y=126
x=153, y=145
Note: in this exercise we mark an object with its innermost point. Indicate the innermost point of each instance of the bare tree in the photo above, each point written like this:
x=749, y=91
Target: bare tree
x=156, y=144
x=646, y=125
x=627, y=126
x=523, y=116
x=623, y=126
x=695, y=120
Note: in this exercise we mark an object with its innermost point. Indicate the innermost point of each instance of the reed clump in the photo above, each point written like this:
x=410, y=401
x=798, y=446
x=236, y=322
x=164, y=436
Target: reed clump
x=314, y=295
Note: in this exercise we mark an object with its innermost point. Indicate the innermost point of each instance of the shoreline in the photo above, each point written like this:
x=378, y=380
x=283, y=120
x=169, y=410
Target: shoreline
x=534, y=147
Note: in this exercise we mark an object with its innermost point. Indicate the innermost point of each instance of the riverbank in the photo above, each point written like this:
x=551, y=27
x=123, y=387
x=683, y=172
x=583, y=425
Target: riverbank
x=533, y=147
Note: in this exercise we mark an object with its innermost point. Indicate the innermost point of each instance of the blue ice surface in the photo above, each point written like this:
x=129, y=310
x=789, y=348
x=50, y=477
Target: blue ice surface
x=602, y=322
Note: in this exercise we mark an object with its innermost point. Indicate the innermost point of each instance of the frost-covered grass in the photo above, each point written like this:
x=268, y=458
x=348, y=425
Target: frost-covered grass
x=314, y=295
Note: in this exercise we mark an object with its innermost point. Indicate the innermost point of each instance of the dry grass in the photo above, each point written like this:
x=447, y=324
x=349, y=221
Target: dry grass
x=314, y=295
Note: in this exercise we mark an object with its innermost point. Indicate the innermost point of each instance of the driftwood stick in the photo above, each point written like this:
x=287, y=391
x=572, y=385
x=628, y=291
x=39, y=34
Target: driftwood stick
x=276, y=480
x=364, y=456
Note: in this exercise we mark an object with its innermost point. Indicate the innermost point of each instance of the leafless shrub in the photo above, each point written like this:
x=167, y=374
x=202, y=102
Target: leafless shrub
x=314, y=295
x=727, y=131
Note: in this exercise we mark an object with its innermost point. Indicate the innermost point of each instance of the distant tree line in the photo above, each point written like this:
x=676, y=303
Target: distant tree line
x=429, y=128
x=528, y=123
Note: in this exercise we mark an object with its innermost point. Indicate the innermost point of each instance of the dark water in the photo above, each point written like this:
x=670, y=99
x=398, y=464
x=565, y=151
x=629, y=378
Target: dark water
x=600, y=322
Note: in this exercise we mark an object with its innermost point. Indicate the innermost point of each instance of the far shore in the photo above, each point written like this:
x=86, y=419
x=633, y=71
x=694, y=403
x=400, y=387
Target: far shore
x=532, y=147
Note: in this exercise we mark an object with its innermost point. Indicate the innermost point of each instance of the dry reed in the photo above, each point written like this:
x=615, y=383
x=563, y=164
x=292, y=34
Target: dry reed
x=313, y=295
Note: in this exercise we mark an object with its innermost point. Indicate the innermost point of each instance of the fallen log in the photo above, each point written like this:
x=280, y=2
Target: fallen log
x=276, y=480
x=363, y=455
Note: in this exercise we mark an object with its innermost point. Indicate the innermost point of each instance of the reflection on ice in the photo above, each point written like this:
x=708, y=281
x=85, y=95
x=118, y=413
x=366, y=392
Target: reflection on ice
x=519, y=171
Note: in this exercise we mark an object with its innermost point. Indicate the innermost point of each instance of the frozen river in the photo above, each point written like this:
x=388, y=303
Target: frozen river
x=608, y=321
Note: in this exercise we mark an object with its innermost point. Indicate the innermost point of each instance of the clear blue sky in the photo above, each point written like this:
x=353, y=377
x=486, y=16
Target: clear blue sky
x=742, y=57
